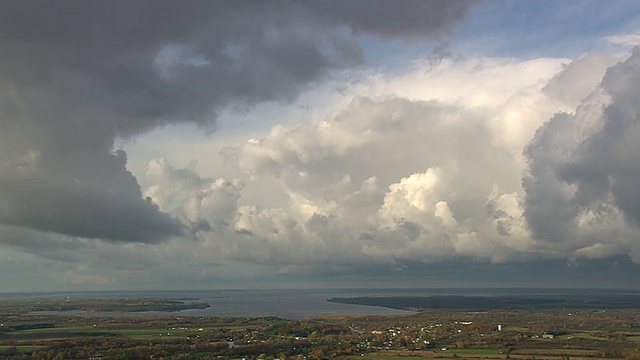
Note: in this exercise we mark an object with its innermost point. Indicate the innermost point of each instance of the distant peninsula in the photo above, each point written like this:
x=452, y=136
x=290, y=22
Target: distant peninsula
x=498, y=302
x=123, y=305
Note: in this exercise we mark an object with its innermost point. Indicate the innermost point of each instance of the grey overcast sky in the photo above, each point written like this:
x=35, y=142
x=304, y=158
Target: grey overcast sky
x=215, y=144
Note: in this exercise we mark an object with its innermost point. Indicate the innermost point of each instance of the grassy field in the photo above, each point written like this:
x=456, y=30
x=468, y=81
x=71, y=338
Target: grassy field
x=203, y=354
x=584, y=335
x=146, y=333
x=52, y=330
x=403, y=355
x=558, y=352
x=89, y=331
x=472, y=351
x=374, y=356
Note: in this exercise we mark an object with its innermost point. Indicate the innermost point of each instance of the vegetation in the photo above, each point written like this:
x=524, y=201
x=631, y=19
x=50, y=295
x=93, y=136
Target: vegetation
x=499, y=302
x=29, y=305
x=550, y=334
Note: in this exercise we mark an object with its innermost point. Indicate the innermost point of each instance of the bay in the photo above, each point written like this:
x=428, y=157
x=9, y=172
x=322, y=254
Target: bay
x=294, y=304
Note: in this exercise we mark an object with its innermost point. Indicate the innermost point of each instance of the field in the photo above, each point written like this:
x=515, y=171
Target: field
x=70, y=332
x=549, y=334
x=583, y=335
x=499, y=302
x=375, y=356
x=473, y=351
x=472, y=354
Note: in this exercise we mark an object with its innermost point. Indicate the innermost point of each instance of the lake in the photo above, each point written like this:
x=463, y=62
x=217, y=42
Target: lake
x=293, y=304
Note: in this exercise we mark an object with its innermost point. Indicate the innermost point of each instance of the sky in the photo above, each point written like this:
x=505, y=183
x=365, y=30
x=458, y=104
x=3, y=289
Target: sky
x=164, y=144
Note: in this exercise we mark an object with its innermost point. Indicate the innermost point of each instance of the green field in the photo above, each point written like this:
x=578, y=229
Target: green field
x=472, y=351
x=383, y=356
x=584, y=335
x=131, y=333
x=374, y=356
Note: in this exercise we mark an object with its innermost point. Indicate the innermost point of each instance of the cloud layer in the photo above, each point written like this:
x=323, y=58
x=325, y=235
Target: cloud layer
x=497, y=166
x=78, y=75
x=581, y=190
x=533, y=176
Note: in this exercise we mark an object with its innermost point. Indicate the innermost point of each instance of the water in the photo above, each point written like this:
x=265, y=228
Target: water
x=287, y=304
x=294, y=304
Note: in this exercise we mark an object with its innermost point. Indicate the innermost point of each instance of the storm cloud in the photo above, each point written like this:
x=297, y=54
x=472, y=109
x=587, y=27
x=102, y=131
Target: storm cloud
x=582, y=187
x=395, y=182
x=203, y=143
x=77, y=75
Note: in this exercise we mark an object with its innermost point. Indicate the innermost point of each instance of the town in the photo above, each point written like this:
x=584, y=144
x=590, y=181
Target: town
x=426, y=334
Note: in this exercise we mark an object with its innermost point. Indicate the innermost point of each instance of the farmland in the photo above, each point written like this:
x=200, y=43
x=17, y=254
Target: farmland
x=547, y=333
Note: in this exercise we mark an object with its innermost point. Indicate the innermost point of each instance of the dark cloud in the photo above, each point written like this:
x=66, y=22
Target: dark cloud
x=91, y=212
x=152, y=62
x=584, y=166
x=548, y=205
x=78, y=74
x=615, y=272
x=413, y=19
x=609, y=162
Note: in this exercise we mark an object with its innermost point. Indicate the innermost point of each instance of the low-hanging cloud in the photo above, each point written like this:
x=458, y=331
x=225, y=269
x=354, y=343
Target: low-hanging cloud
x=77, y=75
